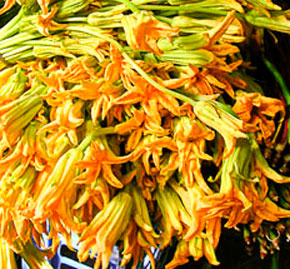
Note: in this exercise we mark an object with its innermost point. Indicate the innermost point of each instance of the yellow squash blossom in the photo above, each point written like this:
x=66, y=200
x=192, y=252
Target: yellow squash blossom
x=143, y=30
x=224, y=123
x=259, y=111
x=65, y=118
x=105, y=229
x=98, y=162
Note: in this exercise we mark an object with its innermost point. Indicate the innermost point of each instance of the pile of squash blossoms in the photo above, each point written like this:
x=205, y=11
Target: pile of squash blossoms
x=131, y=123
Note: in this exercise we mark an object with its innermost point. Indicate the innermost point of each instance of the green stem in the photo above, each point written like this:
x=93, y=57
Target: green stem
x=15, y=51
x=104, y=131
x=11, y=27
x=98, y=132
x=164, y=19
x=75, y=19
x=143, y=2
x=27, y=54
x=18, y=39
x=87, y=30
x=226, y=108
x=184, y=8
x=42, y=42
x=275, y=261
x=156, y=84
x=8, y=49
x=86, y=142
x=288, y=134
x=283, y=87
x=130, y=5
x=279, y=79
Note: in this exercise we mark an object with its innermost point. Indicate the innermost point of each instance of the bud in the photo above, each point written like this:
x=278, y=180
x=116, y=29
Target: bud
x=223, y=122
x=5, y=75
x=173, y=211
x=14, y=87
x=197, y=58
x=67, y=8
x=19, y=113
x=102, y=20
x=106, y=229
x=278, y=22
x=235, y=168
x=190, y=42
x=48, y=198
